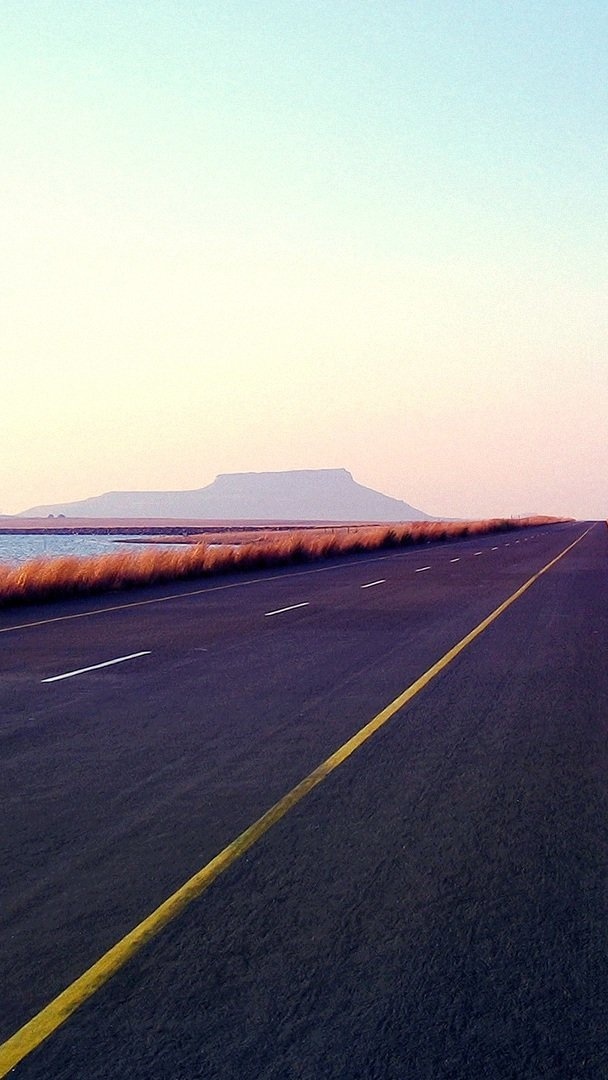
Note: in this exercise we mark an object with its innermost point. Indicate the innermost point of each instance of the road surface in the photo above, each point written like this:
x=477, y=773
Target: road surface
x=434, y=908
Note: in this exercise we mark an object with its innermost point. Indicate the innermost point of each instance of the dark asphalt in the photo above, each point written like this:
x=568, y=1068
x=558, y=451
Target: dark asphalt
x=435, y=909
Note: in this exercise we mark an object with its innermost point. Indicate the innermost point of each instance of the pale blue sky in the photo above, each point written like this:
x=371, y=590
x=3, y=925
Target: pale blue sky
x=282, y=235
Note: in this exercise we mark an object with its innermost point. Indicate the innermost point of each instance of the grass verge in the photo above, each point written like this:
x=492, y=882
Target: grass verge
x=63, y=576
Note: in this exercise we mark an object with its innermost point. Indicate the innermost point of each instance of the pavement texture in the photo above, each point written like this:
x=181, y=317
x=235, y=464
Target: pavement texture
x=436, y=908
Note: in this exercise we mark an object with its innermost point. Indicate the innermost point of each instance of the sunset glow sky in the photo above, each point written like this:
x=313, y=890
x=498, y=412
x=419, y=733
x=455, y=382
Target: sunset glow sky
x=306, y=234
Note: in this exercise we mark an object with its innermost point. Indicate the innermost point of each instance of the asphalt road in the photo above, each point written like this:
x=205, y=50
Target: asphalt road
x=436, y=908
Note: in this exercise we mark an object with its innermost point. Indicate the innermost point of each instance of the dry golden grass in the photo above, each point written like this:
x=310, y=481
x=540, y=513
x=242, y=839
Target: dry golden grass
x=53, y=578
x=242, y=536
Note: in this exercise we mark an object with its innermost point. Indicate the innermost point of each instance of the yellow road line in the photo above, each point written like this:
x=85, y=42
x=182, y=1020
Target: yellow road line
x=36, y=1030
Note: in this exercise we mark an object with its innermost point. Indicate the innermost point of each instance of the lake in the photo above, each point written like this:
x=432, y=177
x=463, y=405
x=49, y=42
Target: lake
x=20, y=548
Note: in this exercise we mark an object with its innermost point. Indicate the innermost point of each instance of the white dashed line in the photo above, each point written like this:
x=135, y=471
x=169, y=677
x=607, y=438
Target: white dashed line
x=479, y=552
x=370, y=584
x=292, y=607
x=455, y=560
x=95, y=667
x=495, y=549
x=421, y=568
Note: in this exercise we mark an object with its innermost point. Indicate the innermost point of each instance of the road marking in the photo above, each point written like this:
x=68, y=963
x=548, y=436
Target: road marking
x=371, y=584
x=479, y=552
x=408, y=554
x=422, y=568
x=95, y=667
x=291, y=607
x=53, y=1015
x=455, y=560
x=495, y=549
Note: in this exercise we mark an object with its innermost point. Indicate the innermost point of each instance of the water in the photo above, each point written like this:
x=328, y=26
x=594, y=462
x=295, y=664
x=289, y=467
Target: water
x=19, y=549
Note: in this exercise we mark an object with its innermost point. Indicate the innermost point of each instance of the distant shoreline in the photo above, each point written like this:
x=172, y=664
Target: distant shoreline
x=186, y=529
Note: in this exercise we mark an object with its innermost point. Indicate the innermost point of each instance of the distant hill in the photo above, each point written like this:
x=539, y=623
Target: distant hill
x=297, y=495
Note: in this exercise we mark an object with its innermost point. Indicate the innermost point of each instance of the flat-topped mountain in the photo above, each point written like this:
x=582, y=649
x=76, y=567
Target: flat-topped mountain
x=296, y=495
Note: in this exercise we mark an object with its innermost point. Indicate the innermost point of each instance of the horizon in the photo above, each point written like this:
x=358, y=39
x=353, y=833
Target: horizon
x=263, y=239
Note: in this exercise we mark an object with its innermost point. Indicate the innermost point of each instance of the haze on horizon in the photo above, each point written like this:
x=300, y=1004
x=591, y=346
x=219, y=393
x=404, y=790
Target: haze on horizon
x=247, y=237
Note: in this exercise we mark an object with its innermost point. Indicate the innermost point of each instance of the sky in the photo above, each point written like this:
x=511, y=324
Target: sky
x=362, y=234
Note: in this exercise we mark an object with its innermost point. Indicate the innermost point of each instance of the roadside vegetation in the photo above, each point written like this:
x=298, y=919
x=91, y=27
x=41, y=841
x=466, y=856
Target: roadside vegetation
x=64, y=576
